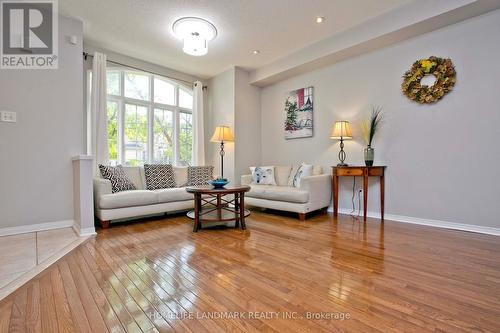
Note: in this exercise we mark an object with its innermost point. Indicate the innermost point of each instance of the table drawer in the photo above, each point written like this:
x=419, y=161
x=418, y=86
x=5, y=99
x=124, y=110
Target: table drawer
x=349, y=172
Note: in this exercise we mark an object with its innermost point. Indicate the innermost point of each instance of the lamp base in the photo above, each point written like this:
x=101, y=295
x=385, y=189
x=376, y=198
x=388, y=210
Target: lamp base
x=342, y=164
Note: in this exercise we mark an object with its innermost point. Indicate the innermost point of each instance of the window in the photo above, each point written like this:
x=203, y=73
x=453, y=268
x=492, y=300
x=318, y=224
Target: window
x=113, y=131
x=136, y=134
x=163, y=131
x=137, y=86
x=164, y=92
x=149, y=119
x=186, y=138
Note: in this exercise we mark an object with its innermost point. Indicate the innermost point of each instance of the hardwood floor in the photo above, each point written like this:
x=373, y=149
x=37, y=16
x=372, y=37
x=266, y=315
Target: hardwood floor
x=157, y=275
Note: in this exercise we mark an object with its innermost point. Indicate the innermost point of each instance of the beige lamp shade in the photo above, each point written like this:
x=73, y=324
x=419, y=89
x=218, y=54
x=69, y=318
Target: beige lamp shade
x=341, y=130
x=222, y=134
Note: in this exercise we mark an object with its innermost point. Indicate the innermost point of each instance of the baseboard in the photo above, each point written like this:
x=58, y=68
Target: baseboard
x=83, y=232
x=23, y=229
x=430, y=223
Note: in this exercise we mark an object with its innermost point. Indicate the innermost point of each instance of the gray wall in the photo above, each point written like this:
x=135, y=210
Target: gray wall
x=235, y=103
x=220, y=112
x=247, y=124
x=36, y=182
x=441, y=158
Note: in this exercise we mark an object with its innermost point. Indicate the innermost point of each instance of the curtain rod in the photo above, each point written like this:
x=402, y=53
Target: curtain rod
x=86, y=54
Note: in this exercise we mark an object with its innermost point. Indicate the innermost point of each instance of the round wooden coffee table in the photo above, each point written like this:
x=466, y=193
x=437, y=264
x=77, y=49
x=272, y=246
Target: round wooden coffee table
x=211, y=205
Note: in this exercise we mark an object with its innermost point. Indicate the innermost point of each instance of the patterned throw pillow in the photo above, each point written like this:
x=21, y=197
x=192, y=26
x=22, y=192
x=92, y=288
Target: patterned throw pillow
x=263, y=175
x=159, y=176
x=298, y=172
x=200, y=175
x=118, y=178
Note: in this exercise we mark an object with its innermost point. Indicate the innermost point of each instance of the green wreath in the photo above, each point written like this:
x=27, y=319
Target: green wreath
x=441, y=68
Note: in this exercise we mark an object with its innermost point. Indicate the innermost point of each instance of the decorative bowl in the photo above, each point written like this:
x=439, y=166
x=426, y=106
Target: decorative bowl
x=218, y=183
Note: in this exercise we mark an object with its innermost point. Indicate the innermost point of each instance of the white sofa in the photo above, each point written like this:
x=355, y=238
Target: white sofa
x=313, y=194
x=141, y=202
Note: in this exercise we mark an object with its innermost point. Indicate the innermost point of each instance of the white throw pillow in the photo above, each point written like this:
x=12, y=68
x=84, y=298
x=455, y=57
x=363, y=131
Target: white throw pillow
x=263, y=175
x=281, y=174
x=298, y=172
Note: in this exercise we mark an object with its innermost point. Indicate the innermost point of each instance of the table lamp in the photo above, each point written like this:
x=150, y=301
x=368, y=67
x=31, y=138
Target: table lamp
x=341, y=130
x=222, y=134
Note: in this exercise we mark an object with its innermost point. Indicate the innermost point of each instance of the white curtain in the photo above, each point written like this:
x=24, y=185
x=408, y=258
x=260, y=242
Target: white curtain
x=98, y=112
x=198, y=132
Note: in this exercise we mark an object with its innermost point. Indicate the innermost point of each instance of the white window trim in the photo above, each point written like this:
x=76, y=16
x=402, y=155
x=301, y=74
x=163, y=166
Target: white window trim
x=151, y=105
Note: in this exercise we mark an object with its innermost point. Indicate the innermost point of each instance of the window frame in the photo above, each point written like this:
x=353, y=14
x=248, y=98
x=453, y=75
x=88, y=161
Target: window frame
x=151, y=105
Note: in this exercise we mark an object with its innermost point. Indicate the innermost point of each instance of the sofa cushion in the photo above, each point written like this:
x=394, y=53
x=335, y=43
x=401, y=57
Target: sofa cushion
x=136, y=175
x=263, y=175
x=180, y=176
x=159, y=176
x=298, y=172
x=200, y=175
x=173, y=194
x=317, y=170
x=118, y=178
x=128, y=199
x=279, y=193
x=281, y=174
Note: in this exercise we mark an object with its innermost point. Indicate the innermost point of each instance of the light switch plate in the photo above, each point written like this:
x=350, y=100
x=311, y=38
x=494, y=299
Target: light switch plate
x=8, y=116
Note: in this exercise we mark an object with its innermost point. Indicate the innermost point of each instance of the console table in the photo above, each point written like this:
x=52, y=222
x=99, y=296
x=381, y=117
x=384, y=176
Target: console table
x=362, y=171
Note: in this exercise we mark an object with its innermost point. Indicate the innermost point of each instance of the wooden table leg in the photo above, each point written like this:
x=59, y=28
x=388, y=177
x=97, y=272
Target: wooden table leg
x=382, y=196
x=335, y=195
x=365, y=194
x=242, y=211
x=237, y=209
x=197, y=208
x=219, y=207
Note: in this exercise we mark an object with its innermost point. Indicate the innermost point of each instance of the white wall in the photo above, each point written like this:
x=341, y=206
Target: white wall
x=36, y=181
x=441, y=158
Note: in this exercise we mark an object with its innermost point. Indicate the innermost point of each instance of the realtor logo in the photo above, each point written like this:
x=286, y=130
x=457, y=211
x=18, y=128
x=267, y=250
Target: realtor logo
x=29, y=34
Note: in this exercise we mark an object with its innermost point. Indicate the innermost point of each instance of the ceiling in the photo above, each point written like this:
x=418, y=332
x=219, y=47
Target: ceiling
x=142, y=28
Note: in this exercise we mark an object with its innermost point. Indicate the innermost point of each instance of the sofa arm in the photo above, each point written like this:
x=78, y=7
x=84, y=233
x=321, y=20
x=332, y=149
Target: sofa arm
x=101, y=187
x=319, y=188
x=246, y=179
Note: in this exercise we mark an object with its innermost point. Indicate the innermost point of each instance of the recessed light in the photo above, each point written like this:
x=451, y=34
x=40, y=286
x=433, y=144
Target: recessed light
x=320, y=19
x=255, y=51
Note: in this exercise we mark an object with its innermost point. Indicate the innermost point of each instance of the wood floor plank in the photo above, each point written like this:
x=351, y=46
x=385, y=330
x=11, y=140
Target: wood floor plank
x=47, y=306
x=93, y=314
x=151, y=275
x=63, y=312
x=122, y=289
x=18, y=313
x=5, y=314
x=33, y=315
x=107, y=312
x=119, y=308
x=80, y=319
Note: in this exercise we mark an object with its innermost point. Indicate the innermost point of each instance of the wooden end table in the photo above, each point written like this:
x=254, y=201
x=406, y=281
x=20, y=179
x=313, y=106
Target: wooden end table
x=362, y=171
x=210, y=205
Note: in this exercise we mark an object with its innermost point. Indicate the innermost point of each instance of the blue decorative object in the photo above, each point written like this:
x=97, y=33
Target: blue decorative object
x=219, y=183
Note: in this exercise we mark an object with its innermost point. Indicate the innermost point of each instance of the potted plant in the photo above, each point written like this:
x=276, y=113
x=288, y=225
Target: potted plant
x=370, y=128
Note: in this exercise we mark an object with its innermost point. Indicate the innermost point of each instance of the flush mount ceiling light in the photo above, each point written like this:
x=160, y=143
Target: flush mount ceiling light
x=195, y=34
x=256, y=52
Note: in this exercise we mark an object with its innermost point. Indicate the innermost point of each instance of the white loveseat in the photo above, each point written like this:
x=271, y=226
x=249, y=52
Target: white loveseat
x=141, y=202
x=313, y=194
